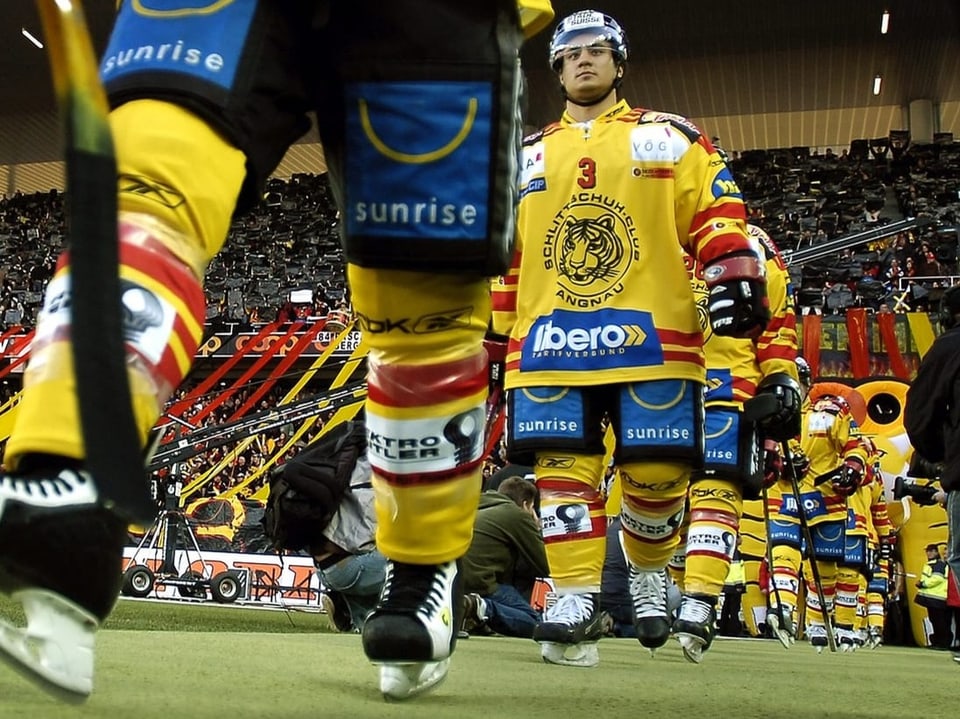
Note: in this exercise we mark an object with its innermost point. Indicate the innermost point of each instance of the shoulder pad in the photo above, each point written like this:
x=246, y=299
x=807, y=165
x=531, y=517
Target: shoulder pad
x=533, y=137
x=678, y=121
x=832, y=405
x=770, y=250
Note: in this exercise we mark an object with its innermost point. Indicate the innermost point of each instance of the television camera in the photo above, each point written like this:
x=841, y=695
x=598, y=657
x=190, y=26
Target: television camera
x=923, y=493
x=172, y=530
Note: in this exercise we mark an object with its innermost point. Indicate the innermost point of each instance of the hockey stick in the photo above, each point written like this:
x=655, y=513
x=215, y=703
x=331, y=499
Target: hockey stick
x=808, y=540
x=111, y=442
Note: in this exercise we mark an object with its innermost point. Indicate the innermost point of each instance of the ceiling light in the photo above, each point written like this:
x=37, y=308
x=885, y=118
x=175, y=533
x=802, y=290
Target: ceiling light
x=884, y=22
x=877, y=82
x=27, y=34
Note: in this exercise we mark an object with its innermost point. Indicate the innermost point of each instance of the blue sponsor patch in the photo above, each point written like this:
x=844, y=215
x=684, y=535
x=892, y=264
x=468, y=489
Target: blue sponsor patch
x=658, y=414
x=787, y=533
x=537, y=184
x=724, y=185
x=855, y=550
x=788, y=506
x=722, y=437
x=719, y=385
x=828, y=540
x=851, y=519
x=606, y=339
x=547, y=413
x=204, y=41
x=418, y=159
x=813, y=505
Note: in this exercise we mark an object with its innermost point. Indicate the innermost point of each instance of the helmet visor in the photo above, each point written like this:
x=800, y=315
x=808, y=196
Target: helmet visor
x=573, y=43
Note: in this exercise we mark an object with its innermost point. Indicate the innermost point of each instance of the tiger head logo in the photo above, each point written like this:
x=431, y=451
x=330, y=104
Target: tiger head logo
x=590, y=250
x=591, y=245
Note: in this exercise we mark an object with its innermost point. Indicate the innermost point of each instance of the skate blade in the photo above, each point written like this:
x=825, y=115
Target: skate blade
x=405, y=681
x=780, y=634
x=58, y=634
x=692, y=647
x=783, y=636
x=584, y=654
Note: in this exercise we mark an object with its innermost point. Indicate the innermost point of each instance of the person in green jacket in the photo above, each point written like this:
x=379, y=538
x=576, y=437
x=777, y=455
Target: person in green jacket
x=932, y=594
x=504, y=560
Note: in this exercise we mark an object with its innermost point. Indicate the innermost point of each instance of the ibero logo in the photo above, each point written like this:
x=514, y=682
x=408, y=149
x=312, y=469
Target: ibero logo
x=606, y=339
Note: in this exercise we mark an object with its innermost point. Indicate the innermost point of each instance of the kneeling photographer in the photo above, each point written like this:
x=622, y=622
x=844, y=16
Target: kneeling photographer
x=932, y=416
x=321, y=502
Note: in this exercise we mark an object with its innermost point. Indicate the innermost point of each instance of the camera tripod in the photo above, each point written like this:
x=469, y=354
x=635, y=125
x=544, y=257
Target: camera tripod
x=168, y=532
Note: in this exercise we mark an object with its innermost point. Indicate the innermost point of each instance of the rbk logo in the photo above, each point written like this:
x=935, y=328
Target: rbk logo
x=442, y=321
x=556, y=462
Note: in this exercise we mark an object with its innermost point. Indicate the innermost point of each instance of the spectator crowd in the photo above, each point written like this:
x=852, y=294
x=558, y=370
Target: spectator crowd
x=802, y=198
x=283, y=261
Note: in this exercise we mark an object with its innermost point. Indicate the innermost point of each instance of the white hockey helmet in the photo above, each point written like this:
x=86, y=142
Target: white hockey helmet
x=583, y=29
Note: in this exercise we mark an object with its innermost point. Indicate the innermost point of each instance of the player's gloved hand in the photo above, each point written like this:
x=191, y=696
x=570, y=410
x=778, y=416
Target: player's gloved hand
x=800, y=461
x=886, y=546
x=786, y=399
x=772, y=463
x=738, y=304
x=847, y=478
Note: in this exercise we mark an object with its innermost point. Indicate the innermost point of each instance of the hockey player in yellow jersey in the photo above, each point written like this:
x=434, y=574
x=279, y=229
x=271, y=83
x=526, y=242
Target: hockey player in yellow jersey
x=782, y=533
x=881, y=543
x=405, y=94
x=737, y=369
x=602, y=323
x=858, y=556
x=830, y=442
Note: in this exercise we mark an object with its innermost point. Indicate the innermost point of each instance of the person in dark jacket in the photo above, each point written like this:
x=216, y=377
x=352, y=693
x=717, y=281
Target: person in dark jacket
x=932, y=415
x=506, y=554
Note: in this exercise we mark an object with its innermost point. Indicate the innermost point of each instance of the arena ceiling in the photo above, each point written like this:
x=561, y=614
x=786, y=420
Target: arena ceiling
x=741, y=58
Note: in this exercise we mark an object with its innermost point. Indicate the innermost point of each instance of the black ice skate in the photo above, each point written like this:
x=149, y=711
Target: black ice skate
x=60, y=557
x=817, y=634
x=413, y=630
x=570, y=630
x=648, y=590
x=696, y=625
x=847, y=638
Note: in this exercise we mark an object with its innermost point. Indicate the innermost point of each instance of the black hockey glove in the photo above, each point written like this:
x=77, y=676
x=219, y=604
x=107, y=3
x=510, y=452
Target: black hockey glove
x=847, y=478
x=784, y=423
x=801, y=463
x=738, y=304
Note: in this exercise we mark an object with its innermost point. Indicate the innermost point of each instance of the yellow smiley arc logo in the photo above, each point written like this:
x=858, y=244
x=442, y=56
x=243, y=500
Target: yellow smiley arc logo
x=559, y=394
x=722, y=431
x=424, y=157
x=212, y=8
x=666, y=405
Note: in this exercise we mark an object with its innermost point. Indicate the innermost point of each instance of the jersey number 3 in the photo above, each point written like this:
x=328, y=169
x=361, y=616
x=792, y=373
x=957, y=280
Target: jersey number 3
x=588, y=173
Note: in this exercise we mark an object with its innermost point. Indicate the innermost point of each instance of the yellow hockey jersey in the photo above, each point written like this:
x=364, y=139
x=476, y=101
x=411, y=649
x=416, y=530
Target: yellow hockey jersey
x=829, y=436
x=598, y=290
x=736, y=366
